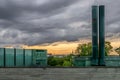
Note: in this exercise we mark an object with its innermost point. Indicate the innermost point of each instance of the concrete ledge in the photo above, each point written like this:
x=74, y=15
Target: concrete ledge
x=60, y=74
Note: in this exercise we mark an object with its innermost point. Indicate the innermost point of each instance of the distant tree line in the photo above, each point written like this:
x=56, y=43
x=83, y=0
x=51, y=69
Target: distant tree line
x=65, y=61
x=81, y=50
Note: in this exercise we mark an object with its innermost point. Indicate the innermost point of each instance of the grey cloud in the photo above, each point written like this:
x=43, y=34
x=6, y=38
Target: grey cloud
x=32, y=23
x=13, y=9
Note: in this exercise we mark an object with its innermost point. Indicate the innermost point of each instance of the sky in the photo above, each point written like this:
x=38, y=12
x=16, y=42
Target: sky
x=45, y=22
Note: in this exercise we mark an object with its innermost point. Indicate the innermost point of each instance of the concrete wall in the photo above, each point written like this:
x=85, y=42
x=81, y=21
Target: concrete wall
x=60, y=73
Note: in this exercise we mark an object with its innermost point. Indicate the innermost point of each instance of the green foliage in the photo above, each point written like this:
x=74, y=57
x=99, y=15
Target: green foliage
x=108, y=48
x=63, y=61
x=86, y=49
x=67, y=64
x=118, y=50
x=54, y=61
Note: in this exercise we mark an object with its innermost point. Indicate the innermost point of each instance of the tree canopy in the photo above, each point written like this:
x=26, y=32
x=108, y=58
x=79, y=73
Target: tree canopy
x=118, y=50
x=86, y=49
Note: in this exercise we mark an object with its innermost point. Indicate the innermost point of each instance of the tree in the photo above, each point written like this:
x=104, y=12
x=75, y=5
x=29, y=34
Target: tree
x=60, y=61
x=86, y=49
x=67, y=64
x=68, y=57
x=52, y=61
x=68, y=60
x=108, y=48
x=118, y=50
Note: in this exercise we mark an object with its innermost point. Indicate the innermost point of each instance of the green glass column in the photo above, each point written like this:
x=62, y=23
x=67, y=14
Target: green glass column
x=2, y=53
x=94, y=35
x=101, y=36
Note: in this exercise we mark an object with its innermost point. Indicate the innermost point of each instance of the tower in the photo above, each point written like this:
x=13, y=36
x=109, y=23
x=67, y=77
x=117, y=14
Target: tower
x=101, y=36
x=98, y=45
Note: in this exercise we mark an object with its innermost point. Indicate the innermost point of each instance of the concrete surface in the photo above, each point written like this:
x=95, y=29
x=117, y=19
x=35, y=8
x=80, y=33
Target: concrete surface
x=59, y=74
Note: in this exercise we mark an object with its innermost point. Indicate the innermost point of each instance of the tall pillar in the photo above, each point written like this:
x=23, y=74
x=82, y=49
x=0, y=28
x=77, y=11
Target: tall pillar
x=94, y=35
x=101, y=36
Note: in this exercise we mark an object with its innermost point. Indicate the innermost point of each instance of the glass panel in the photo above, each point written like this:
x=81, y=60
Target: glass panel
x=9, y=57
x=28, y=58
x=1, y=57
x=40, y=57
x=19, y=58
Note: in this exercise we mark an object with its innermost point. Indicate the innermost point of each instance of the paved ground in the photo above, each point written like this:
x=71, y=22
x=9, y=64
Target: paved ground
x=60, y=74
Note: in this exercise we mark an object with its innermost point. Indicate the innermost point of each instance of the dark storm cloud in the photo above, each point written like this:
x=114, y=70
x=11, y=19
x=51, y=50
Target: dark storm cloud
x=12, y=9
x=33, y=22
x=19, y=13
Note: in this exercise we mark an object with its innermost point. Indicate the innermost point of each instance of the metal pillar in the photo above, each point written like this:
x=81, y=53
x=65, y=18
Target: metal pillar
x=101, y=36
x=94, y=35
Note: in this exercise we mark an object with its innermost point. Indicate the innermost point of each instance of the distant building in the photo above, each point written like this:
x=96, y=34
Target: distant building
x=49, y=55
x=59, y=56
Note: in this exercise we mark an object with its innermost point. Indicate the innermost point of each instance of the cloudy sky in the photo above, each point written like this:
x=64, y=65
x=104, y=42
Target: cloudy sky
x=35, y=22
